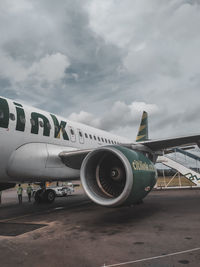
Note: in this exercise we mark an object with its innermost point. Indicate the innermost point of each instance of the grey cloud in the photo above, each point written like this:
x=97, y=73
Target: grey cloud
x=115, y=51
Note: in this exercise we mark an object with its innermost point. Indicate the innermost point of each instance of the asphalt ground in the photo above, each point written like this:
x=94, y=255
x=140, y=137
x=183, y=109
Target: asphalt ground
x=73, y=231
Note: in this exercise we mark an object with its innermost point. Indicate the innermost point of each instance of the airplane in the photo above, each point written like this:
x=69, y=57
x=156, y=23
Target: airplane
x=37, y=146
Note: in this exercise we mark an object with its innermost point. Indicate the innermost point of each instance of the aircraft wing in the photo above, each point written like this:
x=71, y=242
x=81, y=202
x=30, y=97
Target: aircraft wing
x=156, y=145
x=73, y=159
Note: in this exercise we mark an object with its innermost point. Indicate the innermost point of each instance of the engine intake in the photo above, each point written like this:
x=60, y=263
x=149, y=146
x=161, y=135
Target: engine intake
x=114, y=175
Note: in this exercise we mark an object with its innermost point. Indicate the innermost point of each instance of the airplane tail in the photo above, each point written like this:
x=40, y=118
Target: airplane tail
x=143, y=129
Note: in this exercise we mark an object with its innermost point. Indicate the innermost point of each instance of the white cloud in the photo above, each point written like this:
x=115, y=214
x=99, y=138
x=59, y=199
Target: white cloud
x=120, y=116
x=84, y=117
x=12, y=69
x=91, y=56
x=50, y=67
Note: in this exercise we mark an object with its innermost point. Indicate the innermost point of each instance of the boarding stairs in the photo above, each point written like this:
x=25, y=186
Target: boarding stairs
x=191, y=175
x=186, y=153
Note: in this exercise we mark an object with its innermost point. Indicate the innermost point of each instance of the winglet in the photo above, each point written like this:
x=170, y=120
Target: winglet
x=143, y=129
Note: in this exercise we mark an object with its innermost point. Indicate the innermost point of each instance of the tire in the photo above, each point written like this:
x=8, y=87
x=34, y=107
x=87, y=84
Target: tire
x=50, y=195
x=37, y=196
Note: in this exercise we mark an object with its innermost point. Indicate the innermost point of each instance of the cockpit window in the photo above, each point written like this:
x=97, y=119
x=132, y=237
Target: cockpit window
x=86, y=135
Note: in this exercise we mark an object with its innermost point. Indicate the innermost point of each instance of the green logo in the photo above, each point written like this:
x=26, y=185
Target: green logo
x=191, y=177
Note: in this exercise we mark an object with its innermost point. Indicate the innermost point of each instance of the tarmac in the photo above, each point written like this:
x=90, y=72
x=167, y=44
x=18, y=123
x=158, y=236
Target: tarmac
x=73, y=231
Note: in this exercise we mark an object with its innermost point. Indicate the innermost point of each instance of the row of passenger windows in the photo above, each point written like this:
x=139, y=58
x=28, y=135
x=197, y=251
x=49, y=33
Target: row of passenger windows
x=41, y=123
x=100, y=139
x=12, y=117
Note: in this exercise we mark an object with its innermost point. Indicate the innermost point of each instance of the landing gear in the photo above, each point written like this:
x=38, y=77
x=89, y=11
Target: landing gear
x=140, y=202
x=44, y=195
x=50, y=195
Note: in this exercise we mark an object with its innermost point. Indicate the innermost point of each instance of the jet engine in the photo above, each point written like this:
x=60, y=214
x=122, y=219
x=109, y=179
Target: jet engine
x=113, y=176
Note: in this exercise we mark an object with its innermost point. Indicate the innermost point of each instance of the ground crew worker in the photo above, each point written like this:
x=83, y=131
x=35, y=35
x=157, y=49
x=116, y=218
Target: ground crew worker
x=19, y=193
x=29, y=190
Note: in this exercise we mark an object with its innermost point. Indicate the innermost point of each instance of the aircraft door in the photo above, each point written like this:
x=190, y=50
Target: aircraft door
x=72, y=134
x=81, y=137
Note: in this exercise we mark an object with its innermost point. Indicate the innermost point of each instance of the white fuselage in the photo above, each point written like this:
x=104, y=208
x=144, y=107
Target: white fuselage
x=31, y=140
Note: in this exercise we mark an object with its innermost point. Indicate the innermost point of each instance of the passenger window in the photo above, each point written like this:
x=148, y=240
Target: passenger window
x=106, y=140
x=32, y=122
x=90, y=136
x=95, y=137
x=12, y=116
x=102, y=139
x=22, y=119
x=48, y=125
x=1, y=114
x=86, y=135
x=41, y=123
x=99, y=138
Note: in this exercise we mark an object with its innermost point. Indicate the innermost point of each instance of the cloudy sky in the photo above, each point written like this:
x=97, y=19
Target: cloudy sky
x=102, y=62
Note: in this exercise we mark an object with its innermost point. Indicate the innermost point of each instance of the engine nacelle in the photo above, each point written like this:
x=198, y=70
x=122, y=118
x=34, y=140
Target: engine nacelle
x=113, y=175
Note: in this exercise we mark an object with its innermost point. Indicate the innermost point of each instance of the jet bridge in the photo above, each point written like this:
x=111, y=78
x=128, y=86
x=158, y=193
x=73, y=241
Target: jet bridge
x=188, y=173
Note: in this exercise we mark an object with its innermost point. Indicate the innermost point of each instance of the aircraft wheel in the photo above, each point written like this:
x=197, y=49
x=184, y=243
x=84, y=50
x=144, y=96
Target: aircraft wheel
x=37, y=196
x=50, y=195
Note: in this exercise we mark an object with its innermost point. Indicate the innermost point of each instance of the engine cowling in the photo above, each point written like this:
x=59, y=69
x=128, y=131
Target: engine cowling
x=113, y=175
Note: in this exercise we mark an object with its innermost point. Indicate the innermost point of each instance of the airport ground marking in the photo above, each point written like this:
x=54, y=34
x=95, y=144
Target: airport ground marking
x=59, y=208
x=152, y=258
x=74, y=205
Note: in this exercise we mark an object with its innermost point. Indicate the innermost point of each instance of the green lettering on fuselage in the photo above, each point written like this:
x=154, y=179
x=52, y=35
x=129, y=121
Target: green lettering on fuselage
x=35, y=126
x=21, y=120
x=4, y=113
x=59, y=127
x=37, y=120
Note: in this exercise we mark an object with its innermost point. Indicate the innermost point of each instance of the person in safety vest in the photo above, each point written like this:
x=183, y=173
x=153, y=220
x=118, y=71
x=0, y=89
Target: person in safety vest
x=29, y=190
x=19, y=193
